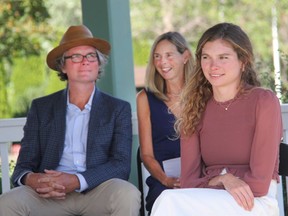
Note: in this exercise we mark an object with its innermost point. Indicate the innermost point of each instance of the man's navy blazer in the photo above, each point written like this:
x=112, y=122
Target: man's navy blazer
x=109, y=138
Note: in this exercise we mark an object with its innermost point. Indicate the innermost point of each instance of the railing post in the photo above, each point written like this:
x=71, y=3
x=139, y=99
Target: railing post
x=5, y=167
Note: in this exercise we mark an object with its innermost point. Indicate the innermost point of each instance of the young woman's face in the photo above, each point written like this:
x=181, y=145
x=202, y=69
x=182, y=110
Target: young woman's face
x=220, y=64
x=168, y=61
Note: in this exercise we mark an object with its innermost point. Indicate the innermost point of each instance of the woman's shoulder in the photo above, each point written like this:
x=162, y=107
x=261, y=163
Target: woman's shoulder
x=263, y=93
x=141, y=95
x=264, y=97
x=145, y=94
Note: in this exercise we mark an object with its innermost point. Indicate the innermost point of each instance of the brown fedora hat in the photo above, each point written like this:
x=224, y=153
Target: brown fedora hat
x=76, y=36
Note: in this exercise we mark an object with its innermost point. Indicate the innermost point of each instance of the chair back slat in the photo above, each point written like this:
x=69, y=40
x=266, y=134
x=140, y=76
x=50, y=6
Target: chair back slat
x=283, y=171
x=283, y=166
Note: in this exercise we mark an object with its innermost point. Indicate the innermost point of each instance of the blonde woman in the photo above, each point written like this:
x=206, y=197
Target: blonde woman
x=170, y=65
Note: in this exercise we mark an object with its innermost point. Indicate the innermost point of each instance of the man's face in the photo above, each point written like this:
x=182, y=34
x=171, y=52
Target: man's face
x=81, y=65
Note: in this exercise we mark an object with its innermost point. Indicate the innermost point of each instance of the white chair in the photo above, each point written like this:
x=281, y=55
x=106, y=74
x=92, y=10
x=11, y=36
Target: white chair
x=143, y=174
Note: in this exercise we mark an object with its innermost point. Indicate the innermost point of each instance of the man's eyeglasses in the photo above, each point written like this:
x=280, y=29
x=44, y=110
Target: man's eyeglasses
x=77, y=58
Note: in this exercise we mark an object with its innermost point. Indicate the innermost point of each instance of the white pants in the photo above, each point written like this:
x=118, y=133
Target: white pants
x=212, y=202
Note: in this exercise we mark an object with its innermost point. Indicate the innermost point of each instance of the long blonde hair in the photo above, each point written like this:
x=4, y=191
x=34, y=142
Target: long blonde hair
x=198, y=91
x=154, y=82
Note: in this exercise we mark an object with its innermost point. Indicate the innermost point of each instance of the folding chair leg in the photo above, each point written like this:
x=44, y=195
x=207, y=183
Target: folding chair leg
x=284, y=189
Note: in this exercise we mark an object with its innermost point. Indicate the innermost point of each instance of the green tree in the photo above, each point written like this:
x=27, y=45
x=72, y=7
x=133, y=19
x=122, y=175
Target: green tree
x=28, y=75
x=192, y=17
x=23, y=31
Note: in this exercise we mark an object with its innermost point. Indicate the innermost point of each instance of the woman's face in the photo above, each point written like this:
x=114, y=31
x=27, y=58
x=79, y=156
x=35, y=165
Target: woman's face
x=168, y=61
x=220, y=64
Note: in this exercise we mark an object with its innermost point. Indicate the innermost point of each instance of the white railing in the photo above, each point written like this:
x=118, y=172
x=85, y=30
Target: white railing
x=12, y=130
x=284, y=109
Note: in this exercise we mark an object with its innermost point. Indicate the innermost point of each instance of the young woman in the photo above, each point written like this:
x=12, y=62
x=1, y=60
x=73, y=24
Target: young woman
x=230, y=134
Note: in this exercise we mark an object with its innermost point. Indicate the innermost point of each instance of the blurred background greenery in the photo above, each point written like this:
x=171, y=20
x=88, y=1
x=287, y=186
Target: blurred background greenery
x=30, y=28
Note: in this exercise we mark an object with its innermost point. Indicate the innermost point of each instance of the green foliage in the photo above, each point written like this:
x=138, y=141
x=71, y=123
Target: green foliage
x=12, y=165
x=30, y=79
x=23, y=30
x=192, y=17
x=284, y=70
x=26, y=83
x=4, y=109
x=54, y=83
x=141, y=49
x=27, y=33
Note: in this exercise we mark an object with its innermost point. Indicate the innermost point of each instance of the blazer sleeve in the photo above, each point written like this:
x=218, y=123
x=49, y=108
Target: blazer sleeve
x=43, y=140
x=28, y=156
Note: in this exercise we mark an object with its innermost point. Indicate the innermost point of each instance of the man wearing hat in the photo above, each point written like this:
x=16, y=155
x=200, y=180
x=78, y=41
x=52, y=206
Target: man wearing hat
x=76, y=151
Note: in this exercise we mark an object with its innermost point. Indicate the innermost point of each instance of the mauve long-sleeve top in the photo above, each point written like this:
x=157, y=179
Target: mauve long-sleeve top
x=244, y=140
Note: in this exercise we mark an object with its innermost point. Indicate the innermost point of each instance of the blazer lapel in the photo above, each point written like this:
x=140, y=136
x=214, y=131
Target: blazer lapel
x=96, y=120
x=60, y=121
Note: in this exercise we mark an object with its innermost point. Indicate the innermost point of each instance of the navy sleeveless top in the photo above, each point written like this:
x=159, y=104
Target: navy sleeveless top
x=165, y=144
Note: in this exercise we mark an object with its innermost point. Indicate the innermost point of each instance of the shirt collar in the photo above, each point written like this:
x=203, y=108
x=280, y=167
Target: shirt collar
x=88, y=105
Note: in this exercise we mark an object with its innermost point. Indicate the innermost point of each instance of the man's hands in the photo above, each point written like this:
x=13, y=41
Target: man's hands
x=52, y=184
x=239, y=189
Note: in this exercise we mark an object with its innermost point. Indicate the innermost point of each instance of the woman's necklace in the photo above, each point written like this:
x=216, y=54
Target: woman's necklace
x=227, y=105
x=173, y=94
x=173, y=103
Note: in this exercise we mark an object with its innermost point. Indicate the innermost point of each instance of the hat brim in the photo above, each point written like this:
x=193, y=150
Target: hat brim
x=101, y=45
